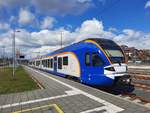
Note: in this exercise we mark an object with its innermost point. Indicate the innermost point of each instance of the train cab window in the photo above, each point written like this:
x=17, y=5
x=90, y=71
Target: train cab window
x=59, y=63
x=51, y=63
x=87, y=59
x=96, y=60
x=65, y=60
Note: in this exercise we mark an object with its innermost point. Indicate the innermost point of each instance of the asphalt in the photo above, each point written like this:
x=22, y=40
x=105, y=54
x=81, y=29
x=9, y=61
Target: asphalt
x=62, y=95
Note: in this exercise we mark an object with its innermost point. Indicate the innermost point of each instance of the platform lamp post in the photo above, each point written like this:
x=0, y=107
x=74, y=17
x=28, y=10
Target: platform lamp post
x=14, y=52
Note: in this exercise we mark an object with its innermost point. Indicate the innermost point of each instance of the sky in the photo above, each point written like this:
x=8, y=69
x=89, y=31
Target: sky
x=41, y=23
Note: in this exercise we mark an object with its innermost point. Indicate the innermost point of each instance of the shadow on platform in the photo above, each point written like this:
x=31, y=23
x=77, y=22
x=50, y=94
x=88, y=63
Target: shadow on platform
x=117, y=89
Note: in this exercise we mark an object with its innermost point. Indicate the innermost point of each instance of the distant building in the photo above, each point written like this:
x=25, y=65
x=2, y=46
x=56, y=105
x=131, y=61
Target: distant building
x=136, y=54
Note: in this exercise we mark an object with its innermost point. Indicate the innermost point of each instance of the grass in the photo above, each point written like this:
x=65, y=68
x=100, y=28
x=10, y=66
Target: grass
x=21, y=83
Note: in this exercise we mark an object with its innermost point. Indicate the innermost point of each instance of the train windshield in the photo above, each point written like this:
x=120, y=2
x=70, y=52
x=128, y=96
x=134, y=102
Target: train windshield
x=113, y=51
x=116, y=56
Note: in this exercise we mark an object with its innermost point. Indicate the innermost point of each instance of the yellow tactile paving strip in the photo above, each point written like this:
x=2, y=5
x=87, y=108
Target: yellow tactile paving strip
x=41, y=107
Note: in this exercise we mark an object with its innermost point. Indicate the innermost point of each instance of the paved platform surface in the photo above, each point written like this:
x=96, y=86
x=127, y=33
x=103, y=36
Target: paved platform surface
x=65, y=96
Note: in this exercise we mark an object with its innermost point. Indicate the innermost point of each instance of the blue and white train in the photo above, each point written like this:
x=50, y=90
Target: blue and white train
x=93, y=61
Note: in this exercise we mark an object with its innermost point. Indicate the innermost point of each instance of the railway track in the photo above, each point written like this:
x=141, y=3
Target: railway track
x=138, y=92
x=134, y=94
x=139, y=71
x=141, y=84
x=141, y=80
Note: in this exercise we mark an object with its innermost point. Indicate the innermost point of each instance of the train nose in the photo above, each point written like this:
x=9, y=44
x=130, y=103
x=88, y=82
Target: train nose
x=116, y=72
x=120, y=68
x=116, y=68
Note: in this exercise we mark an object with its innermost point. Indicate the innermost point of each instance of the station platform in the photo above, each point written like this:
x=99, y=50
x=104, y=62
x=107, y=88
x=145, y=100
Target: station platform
x=60, y=95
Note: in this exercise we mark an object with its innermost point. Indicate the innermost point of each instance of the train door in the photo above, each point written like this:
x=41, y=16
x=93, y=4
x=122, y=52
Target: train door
x=97, y=64
x=93, y=65
x=55, y=64
x=88, y=65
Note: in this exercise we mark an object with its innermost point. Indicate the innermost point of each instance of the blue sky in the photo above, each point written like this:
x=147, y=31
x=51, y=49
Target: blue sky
x=41, y=21
x=124, y=14
x=120, y=14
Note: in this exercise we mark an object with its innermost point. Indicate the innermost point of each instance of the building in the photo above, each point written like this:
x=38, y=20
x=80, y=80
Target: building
x=134, y=54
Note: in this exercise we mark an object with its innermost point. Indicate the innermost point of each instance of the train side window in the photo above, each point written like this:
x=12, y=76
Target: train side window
x=87, y=59
x=37, y=63
x=44, y=63
x=96, y=60
x=59, y=63
x=48, y=63
x=65, y=60
x=34, y=63
x=51, y=63
x=55, y=58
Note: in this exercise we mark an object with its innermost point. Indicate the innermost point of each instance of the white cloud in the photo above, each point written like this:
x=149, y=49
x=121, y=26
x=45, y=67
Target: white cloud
x=91, y=26
x=147, y=5
x=13, y=3
x=25, y=17
x=92, y=29
x=47, y=22
x=112, y=29
x=4, y=26
x=62, y=7
x=133, y=38
x=52, y=37
x=51, y=7
x=49, y=40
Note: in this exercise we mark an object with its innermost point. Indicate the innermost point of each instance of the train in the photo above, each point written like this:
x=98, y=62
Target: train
x=93, y=61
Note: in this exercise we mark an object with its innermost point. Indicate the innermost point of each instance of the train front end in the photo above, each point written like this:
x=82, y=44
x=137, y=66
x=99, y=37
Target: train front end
x=117, y=68
x=114, y=66
x=118, y=72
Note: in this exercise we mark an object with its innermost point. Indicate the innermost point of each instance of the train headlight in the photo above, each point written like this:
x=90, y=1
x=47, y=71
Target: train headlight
x=110, y=69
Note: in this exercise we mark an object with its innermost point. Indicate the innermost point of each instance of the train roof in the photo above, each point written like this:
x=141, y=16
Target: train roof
x=101, y=41
x=98, y=40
